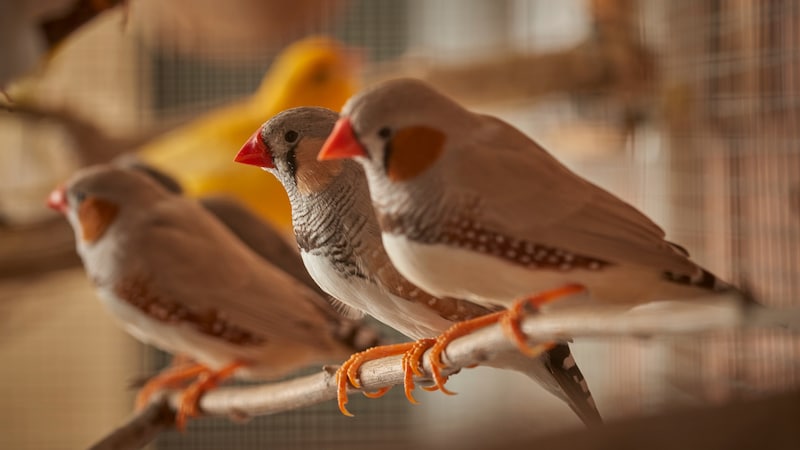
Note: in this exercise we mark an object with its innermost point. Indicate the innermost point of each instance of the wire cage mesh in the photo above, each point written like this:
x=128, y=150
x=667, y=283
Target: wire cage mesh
x=735, y=143
x=701, y=134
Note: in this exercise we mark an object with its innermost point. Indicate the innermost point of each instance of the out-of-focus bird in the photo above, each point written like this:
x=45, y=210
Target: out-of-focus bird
x=315, y=71
x=176, y=278
x=340, y=242
x=470, y=207
x=260, y=236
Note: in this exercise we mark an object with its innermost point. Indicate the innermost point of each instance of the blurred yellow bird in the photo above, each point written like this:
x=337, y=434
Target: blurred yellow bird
x=315, y=71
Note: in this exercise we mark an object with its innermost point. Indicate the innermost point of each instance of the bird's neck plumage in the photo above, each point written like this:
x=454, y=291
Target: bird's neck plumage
x=100, y=259
x=338, y=220
x=415, y=209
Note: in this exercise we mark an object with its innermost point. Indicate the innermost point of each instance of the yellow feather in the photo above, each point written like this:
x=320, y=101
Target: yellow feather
x=315, y=71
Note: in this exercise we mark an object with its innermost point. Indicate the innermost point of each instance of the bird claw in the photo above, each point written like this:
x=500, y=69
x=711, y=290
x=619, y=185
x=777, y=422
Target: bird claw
x=376, y=394
x=190, y=398
x=348, y=371
x=189, y=404
x=511, y=320
x=439, y=379
x=170, y=378
x=443, y=340
x=411, y=367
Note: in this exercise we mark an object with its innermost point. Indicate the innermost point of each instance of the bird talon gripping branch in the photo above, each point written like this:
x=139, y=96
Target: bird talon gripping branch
x=190, y=398
x=442, y=341
x=511, y=320
x=411, y=367
x=168, y=379
x=348, y=372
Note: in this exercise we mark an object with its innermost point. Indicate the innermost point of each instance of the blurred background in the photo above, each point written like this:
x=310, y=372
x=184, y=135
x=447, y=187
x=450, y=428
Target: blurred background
x=689, y=110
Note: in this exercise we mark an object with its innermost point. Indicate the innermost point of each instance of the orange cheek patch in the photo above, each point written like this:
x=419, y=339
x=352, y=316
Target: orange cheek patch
x=413, y=149
x=95, y=215
x=314, y=176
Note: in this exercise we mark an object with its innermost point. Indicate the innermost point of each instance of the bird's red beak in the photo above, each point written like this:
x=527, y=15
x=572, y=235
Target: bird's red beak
x=341, y=143
x=255, y=152
x=57, y=200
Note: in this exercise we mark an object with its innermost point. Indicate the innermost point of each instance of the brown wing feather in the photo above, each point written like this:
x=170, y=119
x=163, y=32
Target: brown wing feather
x=189, y=257
x=530, y=195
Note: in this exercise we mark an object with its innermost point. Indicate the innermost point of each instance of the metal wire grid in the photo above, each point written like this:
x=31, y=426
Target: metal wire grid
x=735, y=156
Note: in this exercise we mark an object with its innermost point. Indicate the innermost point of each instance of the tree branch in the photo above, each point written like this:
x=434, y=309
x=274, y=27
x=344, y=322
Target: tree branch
x=653, y=320
x=141, y=428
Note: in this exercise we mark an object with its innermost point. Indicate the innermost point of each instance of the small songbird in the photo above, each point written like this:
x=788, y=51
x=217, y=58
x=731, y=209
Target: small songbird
x=314, y=71
x=340, y=243
x=176, y=278
x=471, y=207
x=262, y=237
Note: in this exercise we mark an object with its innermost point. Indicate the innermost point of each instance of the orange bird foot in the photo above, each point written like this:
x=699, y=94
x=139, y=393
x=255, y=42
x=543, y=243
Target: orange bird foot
x=454, y=332
x=348, y=372
x=190, y=398
x=170, y=378
x=411, y=360
x=511, y=320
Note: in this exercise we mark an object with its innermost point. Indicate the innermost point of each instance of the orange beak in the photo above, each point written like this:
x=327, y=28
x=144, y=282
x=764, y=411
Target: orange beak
x=255, y=152
x=57, y=200
x=342, y=143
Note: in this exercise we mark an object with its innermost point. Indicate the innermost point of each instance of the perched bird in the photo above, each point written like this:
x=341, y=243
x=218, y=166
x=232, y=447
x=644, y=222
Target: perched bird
x=315, y=71
x=176, y=278
x=471, y=207
x=340, y=242
x=260, y=236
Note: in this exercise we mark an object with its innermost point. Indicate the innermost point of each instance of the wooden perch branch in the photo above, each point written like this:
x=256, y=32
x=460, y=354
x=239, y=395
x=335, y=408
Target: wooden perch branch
x=140, y=429
x=653, y=320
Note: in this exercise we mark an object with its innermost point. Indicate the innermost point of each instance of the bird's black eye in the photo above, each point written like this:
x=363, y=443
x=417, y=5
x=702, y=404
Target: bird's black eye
x=80, y=197
x=290, y=136
x=385, y=133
